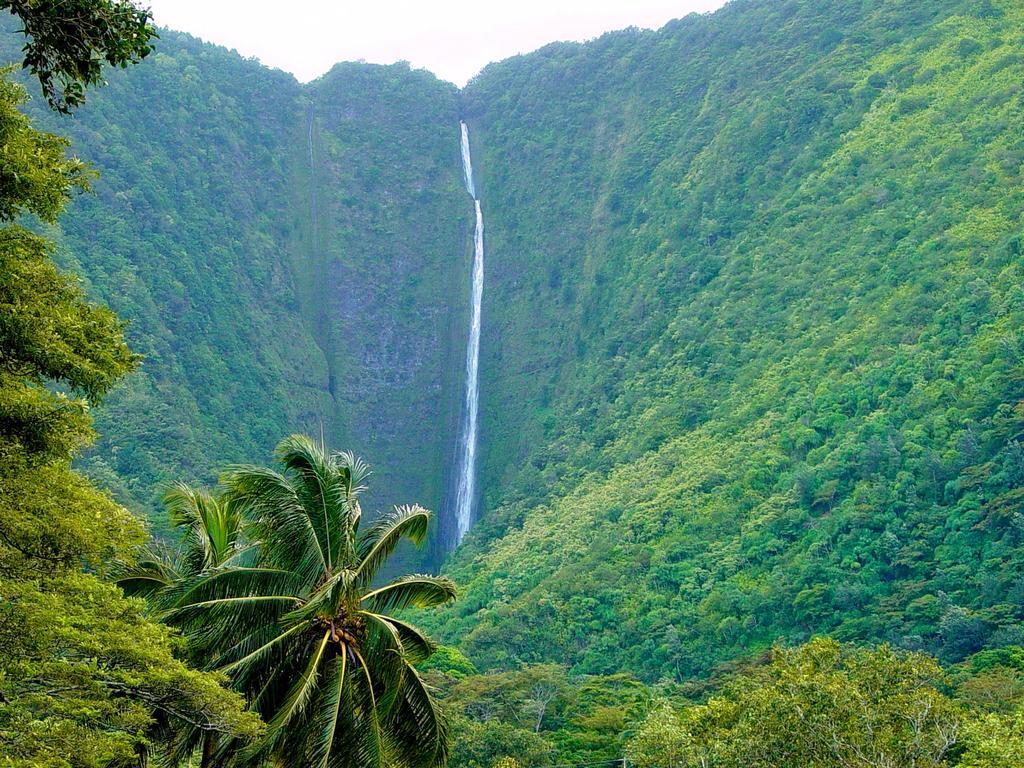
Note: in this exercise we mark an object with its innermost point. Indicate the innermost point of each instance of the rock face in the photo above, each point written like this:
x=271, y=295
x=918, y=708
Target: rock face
x=288, y=258
x=392, y=246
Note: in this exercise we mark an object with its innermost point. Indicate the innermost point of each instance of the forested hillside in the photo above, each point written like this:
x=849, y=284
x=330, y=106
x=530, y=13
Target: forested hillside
x=752, y=397
x=752, y=347
x=266, y=299
x=751, y=359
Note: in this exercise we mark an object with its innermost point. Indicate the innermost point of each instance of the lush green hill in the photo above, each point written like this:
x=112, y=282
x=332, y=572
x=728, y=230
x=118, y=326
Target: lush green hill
x=200, y=234
x=752, y=347
x=751, y=360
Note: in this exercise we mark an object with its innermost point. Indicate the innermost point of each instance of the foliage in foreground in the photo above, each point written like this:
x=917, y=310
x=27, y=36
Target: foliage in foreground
x=821, y=705
x=538, y=714
x=275, y=586
x=67, y=43
x=86, y=681
x=830, y=706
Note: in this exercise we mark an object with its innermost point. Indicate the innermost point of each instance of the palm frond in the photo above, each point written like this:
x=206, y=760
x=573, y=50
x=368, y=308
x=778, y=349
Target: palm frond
x=212, y=527
x=353, y=472
x=233, y=581
x=244, y=555
x=300, y=693
x=417, y=726
x=332, y=718
x=379, y=542
x=292, y=705
x=212, y=624
x=388, y=658
x=418, y=591
x=278, y=520
x=357, y=471
x=259, y=653
x=416, y=646
x=322, y=489
x=155, y=569
x=325, y=601
x=370, y=749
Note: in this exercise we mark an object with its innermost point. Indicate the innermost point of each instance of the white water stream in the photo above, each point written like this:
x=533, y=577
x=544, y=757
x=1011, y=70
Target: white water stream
x=465, y=493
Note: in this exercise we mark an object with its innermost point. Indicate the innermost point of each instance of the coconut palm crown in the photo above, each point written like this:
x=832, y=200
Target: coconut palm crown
x=211, y=534
x=292, y=613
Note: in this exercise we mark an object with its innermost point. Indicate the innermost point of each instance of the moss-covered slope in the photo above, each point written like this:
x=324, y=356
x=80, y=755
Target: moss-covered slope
x=752, y=354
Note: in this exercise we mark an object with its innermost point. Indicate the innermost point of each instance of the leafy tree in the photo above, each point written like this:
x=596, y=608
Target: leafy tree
x=530, y=697
x=85, y=679
x=450, y=663
x=69, y=41
x=995, y=741
x=482, y=744
x=538, y=714
x=210, y=530
x=295, y=619
x=821, y=704
x=991, y=681
x=664, y=740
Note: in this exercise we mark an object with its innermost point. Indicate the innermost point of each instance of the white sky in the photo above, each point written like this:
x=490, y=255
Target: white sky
x=454, y=39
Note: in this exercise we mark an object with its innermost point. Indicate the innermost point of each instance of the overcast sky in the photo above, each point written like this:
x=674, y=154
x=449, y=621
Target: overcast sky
x=452, y=38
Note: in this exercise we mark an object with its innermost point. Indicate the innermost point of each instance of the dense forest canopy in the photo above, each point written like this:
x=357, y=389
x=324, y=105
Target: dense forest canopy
x=751, y=374
x=752, y=339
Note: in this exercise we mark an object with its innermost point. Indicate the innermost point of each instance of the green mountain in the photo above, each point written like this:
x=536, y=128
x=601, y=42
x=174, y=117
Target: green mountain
x=268, y=297
x=751, y=364
x=752, y=343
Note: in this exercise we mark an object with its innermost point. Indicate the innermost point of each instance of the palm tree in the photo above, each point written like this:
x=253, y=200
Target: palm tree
x=211, y=537
x=296, y=620
x=211, y=534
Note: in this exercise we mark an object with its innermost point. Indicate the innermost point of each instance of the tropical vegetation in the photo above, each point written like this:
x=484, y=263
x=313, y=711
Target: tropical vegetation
x=275, y=586
x=86, y=679
x=749, y=365
x=750, y=359
x=831, y=706
x=752, y=397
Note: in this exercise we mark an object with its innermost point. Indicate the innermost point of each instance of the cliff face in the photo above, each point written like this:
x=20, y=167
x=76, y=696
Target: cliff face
x=392, y=240
x=288, y=258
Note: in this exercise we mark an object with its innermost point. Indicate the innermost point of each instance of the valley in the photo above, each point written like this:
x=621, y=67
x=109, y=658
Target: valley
x=736, y=365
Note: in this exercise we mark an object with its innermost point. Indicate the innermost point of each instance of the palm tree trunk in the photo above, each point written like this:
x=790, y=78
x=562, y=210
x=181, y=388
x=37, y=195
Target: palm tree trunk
x=208, y=745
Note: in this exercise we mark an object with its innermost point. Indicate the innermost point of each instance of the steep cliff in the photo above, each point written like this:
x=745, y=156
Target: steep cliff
x=752, y=338
x=288, y=258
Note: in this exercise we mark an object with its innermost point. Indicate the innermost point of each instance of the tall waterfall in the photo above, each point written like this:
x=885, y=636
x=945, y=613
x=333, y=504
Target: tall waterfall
x=465, y=493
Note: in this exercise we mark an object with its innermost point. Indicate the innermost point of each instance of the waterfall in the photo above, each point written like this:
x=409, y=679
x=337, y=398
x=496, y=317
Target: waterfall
x=465, y=493
x=467, y=162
